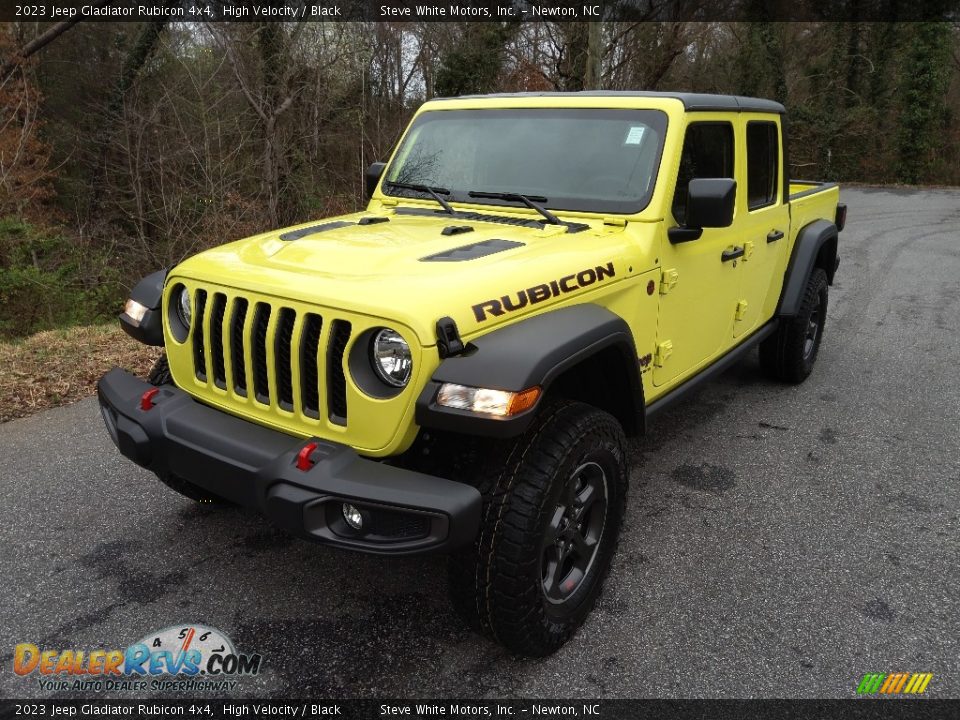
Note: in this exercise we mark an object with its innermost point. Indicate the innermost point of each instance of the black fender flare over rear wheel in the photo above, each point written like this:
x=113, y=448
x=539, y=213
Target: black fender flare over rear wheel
x=815, y=247
x=790, y=353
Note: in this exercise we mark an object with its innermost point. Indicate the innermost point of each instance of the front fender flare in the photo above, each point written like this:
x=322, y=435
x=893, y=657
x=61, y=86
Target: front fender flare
x=534, y=351
x=149, y=293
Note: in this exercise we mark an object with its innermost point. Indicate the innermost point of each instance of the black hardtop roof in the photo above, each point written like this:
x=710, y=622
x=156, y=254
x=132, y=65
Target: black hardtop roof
x=693, y=102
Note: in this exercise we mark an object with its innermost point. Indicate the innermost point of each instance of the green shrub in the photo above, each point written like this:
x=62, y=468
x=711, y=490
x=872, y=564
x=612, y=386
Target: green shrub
x=48, y=282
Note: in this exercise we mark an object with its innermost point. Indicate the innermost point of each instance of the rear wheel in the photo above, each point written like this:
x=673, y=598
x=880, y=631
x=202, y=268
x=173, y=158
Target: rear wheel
x=790, y=353
x=159, y=376
x=550, y=525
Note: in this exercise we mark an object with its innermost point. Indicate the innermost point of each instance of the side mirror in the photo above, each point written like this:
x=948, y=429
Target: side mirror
x=710, y=204
x=372, y=176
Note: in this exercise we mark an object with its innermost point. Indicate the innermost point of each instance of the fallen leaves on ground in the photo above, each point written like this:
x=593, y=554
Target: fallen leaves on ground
x=57, y=367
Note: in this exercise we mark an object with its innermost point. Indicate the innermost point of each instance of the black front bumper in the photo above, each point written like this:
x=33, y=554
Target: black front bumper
x=404, y=512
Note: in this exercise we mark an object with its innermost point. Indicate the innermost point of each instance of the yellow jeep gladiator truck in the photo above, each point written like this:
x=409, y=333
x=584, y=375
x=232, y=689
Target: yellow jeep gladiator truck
x=457, y=367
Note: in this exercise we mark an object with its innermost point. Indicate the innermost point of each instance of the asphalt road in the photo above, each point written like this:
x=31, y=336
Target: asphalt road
x=779, y=542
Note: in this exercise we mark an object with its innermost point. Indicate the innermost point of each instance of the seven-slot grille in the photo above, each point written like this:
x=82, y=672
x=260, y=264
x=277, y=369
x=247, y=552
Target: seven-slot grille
x=241, y=333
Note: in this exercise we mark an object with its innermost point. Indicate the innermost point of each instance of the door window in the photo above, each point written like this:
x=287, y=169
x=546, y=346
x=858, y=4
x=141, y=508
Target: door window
x=707, y=153
x=763, y=149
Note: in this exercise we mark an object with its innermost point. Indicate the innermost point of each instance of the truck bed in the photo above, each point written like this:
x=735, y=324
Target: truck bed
x=809, y=201
x=802, y=188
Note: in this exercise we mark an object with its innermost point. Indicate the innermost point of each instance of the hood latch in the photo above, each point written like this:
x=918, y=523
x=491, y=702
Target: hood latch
x=448, y=338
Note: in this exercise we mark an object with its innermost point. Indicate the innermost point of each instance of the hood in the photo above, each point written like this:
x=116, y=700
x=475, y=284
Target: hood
x=413, y=267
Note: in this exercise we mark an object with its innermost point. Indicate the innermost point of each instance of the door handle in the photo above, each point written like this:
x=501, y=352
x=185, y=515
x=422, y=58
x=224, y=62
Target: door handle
x=732, y=254
x=774, y=235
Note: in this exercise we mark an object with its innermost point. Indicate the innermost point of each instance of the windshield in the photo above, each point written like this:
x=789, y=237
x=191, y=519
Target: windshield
x=592, y=160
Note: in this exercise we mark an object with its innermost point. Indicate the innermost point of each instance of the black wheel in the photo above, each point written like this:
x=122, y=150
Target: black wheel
x=160, y=375
x=790, y=353
x=550, y=525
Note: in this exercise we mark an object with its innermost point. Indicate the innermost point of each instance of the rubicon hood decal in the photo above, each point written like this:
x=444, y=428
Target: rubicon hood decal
x=538, y=293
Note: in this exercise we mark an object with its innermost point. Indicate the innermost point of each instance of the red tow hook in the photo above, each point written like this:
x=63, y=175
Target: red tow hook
x=146, y=400
x=304, y=461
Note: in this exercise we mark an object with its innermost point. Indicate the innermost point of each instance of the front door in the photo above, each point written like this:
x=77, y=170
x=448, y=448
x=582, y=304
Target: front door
x=700, y=285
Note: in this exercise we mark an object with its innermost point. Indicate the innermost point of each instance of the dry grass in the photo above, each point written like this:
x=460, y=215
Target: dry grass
x=57, y=367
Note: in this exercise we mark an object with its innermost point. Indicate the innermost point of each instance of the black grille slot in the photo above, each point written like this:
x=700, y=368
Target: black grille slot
x=217, y=310
x=309, y=382
x=336, y=382
x=261, y=385
x=238, y=359
x=304, y=372
x=398, y=525
x=199, y=355
x=283, y=358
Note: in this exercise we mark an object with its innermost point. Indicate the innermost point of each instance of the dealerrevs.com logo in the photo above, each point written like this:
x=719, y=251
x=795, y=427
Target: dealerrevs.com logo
x=180, y=657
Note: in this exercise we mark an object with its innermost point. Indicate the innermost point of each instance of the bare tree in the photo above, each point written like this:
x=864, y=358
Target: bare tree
x=266, y=79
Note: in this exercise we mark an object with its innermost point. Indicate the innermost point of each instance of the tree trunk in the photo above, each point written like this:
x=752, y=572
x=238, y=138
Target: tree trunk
x=591, y=80
x=40, y=42
x=134, y=63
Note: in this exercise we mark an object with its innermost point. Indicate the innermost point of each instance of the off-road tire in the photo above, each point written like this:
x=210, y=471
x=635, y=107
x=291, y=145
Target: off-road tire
x=790, y=353
x=159, y=376
x=498, y=586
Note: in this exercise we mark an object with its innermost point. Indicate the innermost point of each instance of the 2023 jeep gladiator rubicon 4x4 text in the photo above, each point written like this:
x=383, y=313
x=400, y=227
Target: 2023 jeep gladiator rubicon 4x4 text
x=456, y=368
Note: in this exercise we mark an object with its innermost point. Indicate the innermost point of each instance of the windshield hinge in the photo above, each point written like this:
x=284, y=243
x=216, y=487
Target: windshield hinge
x=615, y=221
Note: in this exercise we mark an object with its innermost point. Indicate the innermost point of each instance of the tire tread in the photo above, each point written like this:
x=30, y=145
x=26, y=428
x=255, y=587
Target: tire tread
x=781, y=354
x=491, y=589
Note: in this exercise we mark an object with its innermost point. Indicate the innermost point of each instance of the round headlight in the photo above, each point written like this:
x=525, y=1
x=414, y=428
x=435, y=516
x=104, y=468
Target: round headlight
x=183, y=307
x=391, y=359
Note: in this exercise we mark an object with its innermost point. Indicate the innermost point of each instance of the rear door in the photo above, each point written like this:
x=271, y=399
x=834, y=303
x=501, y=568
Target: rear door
x=699, y=289
x=763, y=223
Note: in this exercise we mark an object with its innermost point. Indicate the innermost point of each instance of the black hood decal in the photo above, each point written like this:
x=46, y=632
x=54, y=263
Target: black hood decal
x=473, y=251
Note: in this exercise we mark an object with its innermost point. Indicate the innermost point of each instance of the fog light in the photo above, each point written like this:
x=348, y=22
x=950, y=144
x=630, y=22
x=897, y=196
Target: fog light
x=353, y=517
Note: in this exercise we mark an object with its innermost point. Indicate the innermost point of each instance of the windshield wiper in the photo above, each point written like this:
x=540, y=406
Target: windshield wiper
x=434, y=192
x=529, y=200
